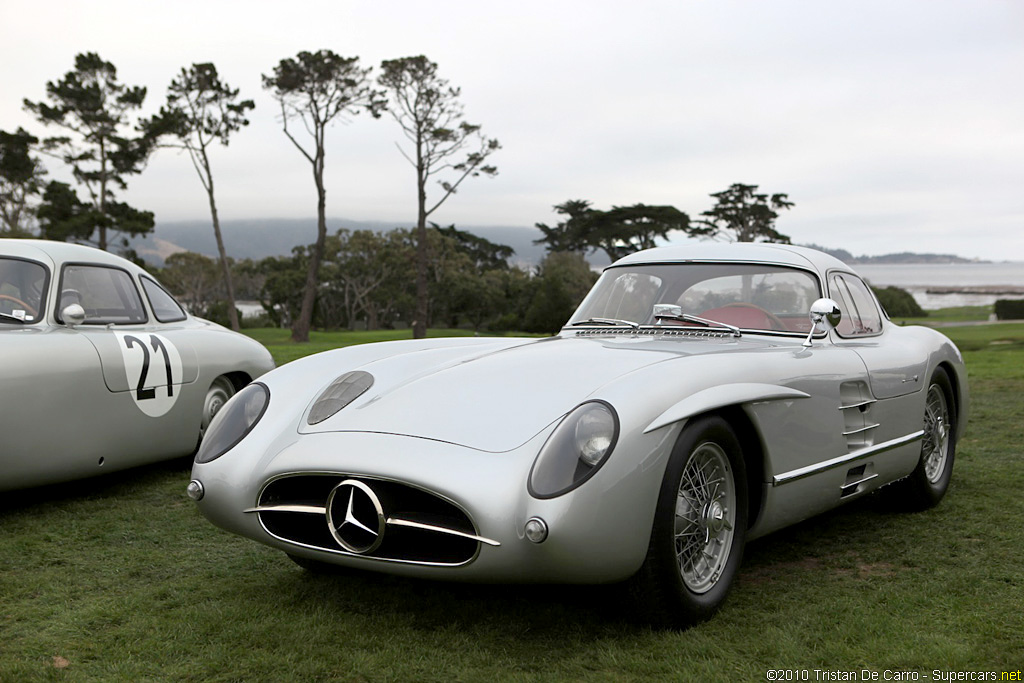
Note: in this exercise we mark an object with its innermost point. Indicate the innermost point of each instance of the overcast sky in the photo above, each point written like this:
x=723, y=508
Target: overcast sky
x=892, y=125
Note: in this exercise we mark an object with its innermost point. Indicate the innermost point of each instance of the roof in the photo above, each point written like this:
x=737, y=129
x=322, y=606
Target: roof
x=758, y=252
x=55, y=253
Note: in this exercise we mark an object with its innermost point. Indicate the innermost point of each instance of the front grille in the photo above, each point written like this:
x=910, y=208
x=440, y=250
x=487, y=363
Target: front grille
x=415, y=526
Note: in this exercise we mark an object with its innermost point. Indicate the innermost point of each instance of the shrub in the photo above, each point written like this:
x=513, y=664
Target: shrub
x=898, y=303
x=217, y=312
x=1009, y=309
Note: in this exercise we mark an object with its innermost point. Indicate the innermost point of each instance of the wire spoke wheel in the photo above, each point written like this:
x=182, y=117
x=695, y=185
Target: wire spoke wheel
x=218, y=394
x=699, y=528
x=927, y=484
x=705, y=517
x=935, y=445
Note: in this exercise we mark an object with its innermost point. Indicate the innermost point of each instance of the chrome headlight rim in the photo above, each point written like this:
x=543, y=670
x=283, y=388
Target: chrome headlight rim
x=208, y=451
x=569, y=423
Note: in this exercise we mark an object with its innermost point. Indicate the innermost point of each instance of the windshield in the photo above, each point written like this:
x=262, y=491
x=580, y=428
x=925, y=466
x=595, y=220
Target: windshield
x=748, y=296
x=22, y=285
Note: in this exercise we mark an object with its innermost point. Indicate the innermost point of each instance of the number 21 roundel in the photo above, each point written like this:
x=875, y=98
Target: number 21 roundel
x=153, y=366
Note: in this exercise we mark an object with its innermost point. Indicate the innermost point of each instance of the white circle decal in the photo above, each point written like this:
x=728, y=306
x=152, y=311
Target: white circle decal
x=153, y=367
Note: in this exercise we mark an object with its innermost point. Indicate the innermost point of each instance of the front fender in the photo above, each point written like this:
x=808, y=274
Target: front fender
x=721, y=396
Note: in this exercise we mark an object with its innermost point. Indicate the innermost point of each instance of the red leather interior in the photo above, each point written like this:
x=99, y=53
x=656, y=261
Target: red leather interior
x=749, y=317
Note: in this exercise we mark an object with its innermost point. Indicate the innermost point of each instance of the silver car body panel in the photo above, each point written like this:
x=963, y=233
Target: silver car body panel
x=465, y=418
x=69, y=397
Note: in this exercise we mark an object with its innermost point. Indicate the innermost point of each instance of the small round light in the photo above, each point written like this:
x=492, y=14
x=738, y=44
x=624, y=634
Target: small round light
x=536, y=530
x=195, y=490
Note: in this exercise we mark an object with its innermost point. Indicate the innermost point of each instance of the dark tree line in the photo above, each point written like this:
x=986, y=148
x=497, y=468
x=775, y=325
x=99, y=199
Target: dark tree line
x=366, y=283
x=427, y=275
x=104, y=142
x=740, y=214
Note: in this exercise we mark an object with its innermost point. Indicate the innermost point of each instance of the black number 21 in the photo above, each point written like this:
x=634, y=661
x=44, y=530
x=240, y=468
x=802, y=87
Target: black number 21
x=141, y=393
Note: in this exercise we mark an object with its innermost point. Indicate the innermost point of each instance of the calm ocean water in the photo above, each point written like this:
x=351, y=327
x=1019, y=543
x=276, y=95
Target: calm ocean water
x=918, y=278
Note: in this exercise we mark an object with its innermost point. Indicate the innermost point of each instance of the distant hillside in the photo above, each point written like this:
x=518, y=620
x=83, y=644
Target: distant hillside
x=260, y=238
x=901, y=257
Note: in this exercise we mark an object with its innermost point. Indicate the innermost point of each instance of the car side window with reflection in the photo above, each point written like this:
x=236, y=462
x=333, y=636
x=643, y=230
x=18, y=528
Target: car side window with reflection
x=107, y=295
x=860, y=314
x=164, y=306
x=22, y=284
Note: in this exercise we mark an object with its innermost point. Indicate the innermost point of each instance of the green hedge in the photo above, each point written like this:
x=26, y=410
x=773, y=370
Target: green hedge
x=1010, y=309
x=898, y=303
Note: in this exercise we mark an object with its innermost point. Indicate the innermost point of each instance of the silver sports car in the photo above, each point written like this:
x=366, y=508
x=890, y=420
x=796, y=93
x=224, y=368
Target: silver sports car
x=100, y=368
x=700, y=397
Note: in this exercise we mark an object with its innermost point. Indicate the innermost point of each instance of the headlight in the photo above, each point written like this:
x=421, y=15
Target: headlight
x=234, y=421
x=576, y=449
x=339, y=394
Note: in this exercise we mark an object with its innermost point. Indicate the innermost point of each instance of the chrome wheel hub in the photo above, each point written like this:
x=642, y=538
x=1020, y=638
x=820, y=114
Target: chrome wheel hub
x=713, y=517
x=219, y=393
x=705, y=517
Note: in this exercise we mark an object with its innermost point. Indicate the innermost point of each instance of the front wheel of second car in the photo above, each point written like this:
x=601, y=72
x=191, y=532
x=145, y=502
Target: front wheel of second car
x=699, y=526
x=217, y=395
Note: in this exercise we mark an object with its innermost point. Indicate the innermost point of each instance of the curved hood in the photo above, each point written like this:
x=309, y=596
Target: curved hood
x=487, y=399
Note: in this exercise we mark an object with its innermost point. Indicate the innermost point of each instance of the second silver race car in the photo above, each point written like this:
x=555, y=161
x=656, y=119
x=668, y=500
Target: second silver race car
x=100, y=368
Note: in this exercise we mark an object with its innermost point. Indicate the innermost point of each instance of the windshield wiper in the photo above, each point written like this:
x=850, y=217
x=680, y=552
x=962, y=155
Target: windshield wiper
x=7, y=317
x=686, y=317
x=607, y=321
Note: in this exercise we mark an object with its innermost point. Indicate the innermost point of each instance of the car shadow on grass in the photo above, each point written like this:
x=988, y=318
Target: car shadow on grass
x=540, y=610
x=115, y=485
x=821, y=544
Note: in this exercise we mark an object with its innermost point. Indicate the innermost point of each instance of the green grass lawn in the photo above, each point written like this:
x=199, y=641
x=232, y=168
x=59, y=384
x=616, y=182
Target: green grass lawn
x=950, y=315
x=284, y=349
x=120, y=579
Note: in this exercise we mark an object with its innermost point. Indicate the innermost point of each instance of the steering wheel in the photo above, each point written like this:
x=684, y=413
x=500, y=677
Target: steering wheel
x=772, y=318
x=24, y=305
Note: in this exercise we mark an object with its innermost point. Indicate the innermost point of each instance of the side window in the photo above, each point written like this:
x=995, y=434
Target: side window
x=107, y=294
x=860, y=314
x=22, y=287
x=165, y=308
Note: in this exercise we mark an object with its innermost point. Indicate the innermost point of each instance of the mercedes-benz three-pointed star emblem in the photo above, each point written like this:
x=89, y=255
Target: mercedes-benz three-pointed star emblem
x=355, y=517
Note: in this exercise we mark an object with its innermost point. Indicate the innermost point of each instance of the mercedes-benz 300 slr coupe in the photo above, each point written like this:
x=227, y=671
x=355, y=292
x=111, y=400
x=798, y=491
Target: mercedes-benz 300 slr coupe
x=699, y=397
x=100, y=368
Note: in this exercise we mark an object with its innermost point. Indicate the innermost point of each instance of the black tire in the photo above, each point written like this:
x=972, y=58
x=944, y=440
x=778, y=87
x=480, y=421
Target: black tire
x=927, y=484
x=678, y=584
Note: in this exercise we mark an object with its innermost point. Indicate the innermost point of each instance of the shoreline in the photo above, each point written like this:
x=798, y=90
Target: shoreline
x=994, y=290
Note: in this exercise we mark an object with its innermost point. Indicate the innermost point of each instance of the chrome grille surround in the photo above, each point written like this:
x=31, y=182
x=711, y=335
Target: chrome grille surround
x=416, y=526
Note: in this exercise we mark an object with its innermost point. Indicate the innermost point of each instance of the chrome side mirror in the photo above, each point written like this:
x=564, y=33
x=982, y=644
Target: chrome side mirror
x=824, y=313
x=73, y=315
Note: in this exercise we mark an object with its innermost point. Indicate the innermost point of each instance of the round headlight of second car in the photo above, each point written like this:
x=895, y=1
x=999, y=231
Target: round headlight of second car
x=233, y=421
x=578, y=447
